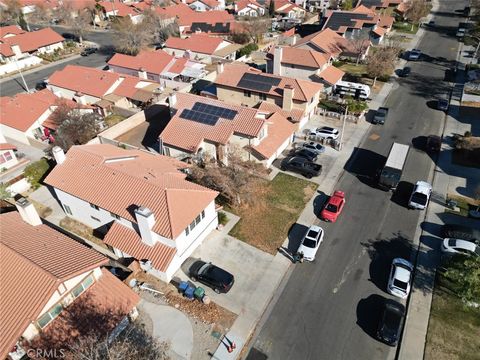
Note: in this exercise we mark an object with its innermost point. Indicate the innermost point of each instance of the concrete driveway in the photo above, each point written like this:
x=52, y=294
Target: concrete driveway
x=248, y=264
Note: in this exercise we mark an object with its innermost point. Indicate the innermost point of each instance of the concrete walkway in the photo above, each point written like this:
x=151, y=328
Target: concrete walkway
x=171, y=326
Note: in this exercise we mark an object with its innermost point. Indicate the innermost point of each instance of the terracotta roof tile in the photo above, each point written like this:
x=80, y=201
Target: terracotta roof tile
x=7, y=146
x=327, y=41
x=199, y=43
x=31, y=41
x=242, y=4
x=10, y=29
x=304, y=90
x=332, y=74
x=279, y=130
x=177, y=10
x=151, y=61
x=295, y=115
x=135, y=179
x=130, y=242
x=188, y=135
x=35, y=260
x=302, y=57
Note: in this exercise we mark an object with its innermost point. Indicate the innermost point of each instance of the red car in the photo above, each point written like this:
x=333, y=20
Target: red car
x=334, y=206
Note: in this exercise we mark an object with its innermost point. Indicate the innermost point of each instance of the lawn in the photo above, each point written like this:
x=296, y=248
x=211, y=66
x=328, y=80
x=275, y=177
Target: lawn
x=113, y=119
x=404, y=27
x=354, y=70
x=453, y=330
x=266, y=223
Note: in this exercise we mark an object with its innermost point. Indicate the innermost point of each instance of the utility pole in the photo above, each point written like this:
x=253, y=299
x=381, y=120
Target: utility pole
x=343, y=127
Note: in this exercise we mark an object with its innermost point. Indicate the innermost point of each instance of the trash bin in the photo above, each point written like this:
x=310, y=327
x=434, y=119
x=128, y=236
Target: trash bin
x=199, y=293
x=189, y=292
x=183, y=286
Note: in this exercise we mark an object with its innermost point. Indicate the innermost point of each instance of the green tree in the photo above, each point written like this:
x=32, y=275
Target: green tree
x=36, y=171
x=4, y=192
x=464, y=273
x=347, y=5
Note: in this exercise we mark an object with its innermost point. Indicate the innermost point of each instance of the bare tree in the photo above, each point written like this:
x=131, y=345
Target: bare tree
x=130, y=38
x=255, y=27
x=160, y=28
x=76, y=128
x=80, y=23
x=359, y=43
x=40, y=15
x=416, y=10
x=11, y=12
x=381, y=62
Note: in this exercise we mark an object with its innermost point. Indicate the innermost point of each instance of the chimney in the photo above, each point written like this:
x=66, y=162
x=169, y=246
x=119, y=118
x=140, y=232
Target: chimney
x=142, y=73
x=58, y=154
x=277, y=60
x=287, y=102
x=172, y=100
x=294, y=40
x=219, y=67
x=28, y=212
x=145, y=221
x=236, y=8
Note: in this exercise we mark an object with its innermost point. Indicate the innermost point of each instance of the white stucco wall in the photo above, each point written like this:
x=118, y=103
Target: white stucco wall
x=9, y=163
x=14, y=134
x=70, y=94
x=199, y=6
x=50, y=48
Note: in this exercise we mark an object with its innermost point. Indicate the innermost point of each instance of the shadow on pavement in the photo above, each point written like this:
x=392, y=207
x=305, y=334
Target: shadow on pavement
x=295, y=236
x=364, y=164
x=319, y=202
x=369, y=311
x=402, y=194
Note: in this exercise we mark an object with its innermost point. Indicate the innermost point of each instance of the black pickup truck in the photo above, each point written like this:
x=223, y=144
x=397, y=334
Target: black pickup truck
x=302, y=166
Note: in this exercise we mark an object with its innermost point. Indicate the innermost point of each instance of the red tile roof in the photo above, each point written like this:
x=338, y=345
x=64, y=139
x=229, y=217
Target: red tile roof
x=210, y=3
x=177, y=10
x=295, y=115
x=332, y=74
x=188, y=135
x=302, y=57
x=35, y=261
x=130, y=242
x=242, y=4
x=304, y=90
x=207, y=17
x=327, y=41
x=119, y=8
x=199, y=43
x=32, y=41
x=279, y=130
x=7, y=146
x=152, y=61
x=10, y=29
x=136, y=178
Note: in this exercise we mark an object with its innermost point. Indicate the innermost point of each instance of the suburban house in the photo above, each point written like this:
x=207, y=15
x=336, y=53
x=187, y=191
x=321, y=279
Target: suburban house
x=211, y=129
x=16, y=44
x=8, y=159
x=213, y=22
x=380, y=4
x=313, y=5
x=158, y=66
x=205, y=48
x=303, y=64
x=142, y=201
x=117, y=9
x=288, y=10
x=205, y=5
x=329, y=42
x=249, y=8
x=28, y=116
x=172, y=13
x=46, y=278
x=102, y=89
x=240, y=84
x=360, y=23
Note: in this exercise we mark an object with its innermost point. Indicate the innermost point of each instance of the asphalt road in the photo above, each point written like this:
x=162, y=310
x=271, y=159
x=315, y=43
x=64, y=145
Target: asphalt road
x=329, y=309
x=98, y=60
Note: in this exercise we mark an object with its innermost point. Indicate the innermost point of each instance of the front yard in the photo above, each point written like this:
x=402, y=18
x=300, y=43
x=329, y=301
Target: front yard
x=265, y=224
x=404, y=27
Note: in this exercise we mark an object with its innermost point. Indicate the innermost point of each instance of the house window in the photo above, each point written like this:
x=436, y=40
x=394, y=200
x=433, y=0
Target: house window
x=84, y=285
x=262, y=96
x=198, y=219
x=187, y=231
x=115, y=216
x=192, y=225
x=67, y=209
x=203, y=214
x=46, y=318
x=150, y=77
x=94, y=218
x=8, y=155
x=247, y=93
x=94, y=206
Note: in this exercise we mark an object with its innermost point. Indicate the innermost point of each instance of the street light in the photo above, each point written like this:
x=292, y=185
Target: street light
x=21, y=75
x=343, y=128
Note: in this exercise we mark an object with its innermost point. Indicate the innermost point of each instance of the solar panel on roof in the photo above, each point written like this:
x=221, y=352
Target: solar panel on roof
x=339, y=19
x=199, y=117
x=273, y=81
x=257, y=82
x=215, y=110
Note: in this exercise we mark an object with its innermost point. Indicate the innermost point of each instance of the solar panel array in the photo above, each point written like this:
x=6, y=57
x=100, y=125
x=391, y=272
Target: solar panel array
x=257, y=82
x=339, y=19
x=212, y=28
x=370, y=3
x=207, y=114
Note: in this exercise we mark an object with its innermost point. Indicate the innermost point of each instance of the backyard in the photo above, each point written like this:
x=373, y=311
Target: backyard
x=404, y=27
x=265, y=223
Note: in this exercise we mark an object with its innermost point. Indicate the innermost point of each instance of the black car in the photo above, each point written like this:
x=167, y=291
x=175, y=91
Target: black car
x=88, y=51
x=307, y=154
x=380, y=116
x=391, y=322
x=302, y=166
x=219, y=280
x=461, y=232
x=405, y=72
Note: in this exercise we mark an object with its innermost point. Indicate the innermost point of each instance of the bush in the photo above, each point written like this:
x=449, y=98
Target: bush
x=338, y=63
x=247, y=50
x=330, y=105
x=35, y=172
x=240, y=38
x=222, y=218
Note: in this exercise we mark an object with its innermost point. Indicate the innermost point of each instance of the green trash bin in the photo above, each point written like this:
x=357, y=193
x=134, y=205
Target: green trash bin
x=199, y=293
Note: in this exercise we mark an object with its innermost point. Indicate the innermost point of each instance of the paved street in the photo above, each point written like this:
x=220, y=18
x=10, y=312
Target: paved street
x=15, y=85
x=329, y=309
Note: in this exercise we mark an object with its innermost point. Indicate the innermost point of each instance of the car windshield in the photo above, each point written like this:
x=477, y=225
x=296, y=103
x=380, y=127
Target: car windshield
x=419, y=198
x=392, y=320
x=452, y=242
x=203, y=269
x=400, y=284
x=331, y=208
x=309, y=243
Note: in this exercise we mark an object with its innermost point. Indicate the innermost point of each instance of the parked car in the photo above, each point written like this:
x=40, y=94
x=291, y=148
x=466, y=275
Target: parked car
x=88, y=51
x=380, y=116
x=301, y=166
x=311, y=242
x=405, y=72
x=460, y=33
x=69, y=36
x=420, y=195
x=461, y=232
x=333, y=207
x=40, y=85
x=442, y=104
x=219, y=280
x=391, y=322
x=400, y=278
x=326, y=132
x=314, y=146
x=414, y=54
x=434, y=143
x=456, y=246
x=307, y=154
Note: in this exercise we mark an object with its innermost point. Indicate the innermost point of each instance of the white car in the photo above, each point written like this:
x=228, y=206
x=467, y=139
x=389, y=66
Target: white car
x=458, y=246
x=420, y=195
x=326, y=132
x=400, y=278
x=414, y=54
x=310, y=242
x=460, y=33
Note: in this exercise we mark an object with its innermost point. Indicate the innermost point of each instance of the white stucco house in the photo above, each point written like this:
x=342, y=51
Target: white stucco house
x=142, y=201
x=249, y=8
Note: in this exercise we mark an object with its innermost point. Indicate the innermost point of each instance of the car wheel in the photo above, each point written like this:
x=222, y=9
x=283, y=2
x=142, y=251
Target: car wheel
x=283, y=168
x=308, y=176
x=193, y=278
x=216, y=290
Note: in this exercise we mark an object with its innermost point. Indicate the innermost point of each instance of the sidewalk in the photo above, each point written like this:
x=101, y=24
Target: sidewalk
x=447, y=178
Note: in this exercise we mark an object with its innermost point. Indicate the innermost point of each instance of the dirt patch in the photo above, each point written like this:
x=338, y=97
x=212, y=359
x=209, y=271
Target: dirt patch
x=81, y=230
x=43, y=211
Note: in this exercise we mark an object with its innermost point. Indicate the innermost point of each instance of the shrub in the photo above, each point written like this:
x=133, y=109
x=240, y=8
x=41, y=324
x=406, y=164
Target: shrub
x=222, y=218
x=240, y=37
x=35, y=172
x=247, y=50
x=330, y=105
